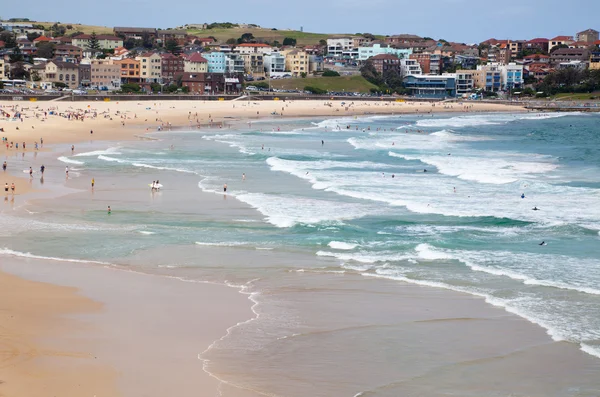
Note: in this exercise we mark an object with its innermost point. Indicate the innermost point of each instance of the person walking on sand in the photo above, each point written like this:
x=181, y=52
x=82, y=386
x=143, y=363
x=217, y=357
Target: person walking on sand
x=67, y=171
x=30, y=172
x=12, y=188
x=93, y=182
x=4, y=166
x=42, y=169
x=6, y=188
x=243, y=176
x=225, y=188
x=72, y=148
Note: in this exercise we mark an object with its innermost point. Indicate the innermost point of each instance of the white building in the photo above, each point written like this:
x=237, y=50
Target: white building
x=234, y=63
x=254, y=48
x=365, y=53
x=464, y=82
x=337, y=47
x=511, y=75
x=410, y=67
x=274, y=63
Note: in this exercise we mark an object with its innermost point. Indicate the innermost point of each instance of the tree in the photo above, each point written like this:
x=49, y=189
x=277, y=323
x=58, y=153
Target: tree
x=45, y=49
x=58, y=30
x=17, y=71
x=330, y=73
x=130, y=87
x=315, y=90
x=35, y=76
x=371, y=74
x=303, y=75
x=9, y=39
x=289, y=41
x=369, y=36
x=94, y=44
x=147, y=40
x=231, y=41
x=246, y=38
x=69, y=27
x=323, y=42
x=33, y=36
x=155, y=87
x=173, y=47
x=16, y=56
x=557, y=47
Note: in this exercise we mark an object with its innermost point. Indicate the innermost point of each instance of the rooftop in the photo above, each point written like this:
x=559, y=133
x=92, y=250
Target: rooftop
x=253, y=45
x=384, y=57
x=196, y=57
x=562, y=38
x=99, y=37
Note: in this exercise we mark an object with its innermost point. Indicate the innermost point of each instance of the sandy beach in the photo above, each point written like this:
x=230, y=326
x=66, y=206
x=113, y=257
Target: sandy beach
x=77, y=328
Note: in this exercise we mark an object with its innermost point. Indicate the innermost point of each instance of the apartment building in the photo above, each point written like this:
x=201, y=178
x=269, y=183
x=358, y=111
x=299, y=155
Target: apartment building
x=538, y=44
x=195, y=63
x=431, y=86
x=68, y=50
x=130, y=70
x=254, y=48
x=217, y=61
x=274, y=63
x=62, y=72
x=296, y=62
x=105, y=74
x=134, y=33
x=234, y=63
x=559, y=40
x=253, y=64
x=2, y=71
x=170, y=66
x=410, y=67
x=464, y=82
x=336, y=48
x=595, y=60
x=386, y=62
x=587, y=36
x=568, y=55
x=106, y=42
x=150, y=67
x=487, y=79
x=367, y=52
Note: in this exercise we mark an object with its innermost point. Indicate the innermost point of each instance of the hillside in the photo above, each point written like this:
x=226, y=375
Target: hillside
x=337, y=84
x=88, y=29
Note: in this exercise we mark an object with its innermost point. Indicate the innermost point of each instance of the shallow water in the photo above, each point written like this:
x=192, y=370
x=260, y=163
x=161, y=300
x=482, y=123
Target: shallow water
x=316, y=226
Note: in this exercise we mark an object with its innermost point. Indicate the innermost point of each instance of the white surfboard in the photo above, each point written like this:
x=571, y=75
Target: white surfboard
x=156, y=186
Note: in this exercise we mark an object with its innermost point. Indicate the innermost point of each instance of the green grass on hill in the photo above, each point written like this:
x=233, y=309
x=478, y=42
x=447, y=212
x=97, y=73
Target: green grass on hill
x=262, y=34
x=577, y=97
x=87, y=29
x=338, y=84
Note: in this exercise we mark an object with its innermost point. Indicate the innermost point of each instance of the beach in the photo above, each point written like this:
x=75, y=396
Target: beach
x=315, y=273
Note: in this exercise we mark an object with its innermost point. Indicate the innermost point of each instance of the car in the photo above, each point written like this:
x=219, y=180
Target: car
x=260, y=78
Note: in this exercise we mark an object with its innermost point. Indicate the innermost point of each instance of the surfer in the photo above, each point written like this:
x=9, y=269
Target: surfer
x=322, y=142
x=243, y=176
x=535, y=209
x=424, y=170
x=67, y=171
x=543, y=243
x=225, y=188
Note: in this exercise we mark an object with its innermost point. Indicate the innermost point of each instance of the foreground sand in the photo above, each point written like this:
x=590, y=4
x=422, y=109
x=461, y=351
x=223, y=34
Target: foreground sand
x=32, y=323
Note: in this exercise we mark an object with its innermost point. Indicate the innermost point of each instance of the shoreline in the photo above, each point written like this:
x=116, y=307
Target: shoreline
x=227, y=330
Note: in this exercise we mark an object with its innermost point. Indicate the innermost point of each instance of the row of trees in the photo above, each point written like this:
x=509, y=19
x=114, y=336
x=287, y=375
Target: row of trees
x=570, y=80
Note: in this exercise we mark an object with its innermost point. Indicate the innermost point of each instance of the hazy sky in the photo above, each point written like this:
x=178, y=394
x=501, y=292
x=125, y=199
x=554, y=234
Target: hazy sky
x=454, y=20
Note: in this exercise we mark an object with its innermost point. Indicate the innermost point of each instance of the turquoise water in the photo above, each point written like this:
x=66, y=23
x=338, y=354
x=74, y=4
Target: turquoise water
x=434, y=201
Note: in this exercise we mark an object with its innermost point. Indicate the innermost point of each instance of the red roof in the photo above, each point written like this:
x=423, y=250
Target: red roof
x=562, y=38
x=253, y=45
x=538, y=56
x=196, y=57
x=538, y=40
x=41, y=38
x=1, y=44
x=597, y=42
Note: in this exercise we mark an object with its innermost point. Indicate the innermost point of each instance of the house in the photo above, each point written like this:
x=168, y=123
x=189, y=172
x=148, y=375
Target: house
x=430, y=86
x=171, y=66
x=26, y=46
x=67, y=50
x=538, y=44
x=121, y=52
x=195, y=63
x=150, y=67
x=134, y=33
x=106, y=42
x=203, y=83
x=559, y=40
x=130, y=70
x=386, y=62
x=595, y=60
x=20, y=28
x=536, y=58
x=296, y=62
x=588, y=36
x=62, y=40
x=568, y=55
x=62, y=72
x=515, y=47
x=403, y=39
x=274, y=63
x=203, y=41
x=179, y=36
x=2, y=71
x=253, y=64
x=41, y=39
x=217, y=61
x=367, y=52
x=410, y=67
x=105, y=73
x=539, y=70
x=254, y=48
x=466, y=61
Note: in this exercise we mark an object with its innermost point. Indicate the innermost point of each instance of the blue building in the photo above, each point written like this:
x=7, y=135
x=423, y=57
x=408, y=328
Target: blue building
x=431, y=86
x=217, y=62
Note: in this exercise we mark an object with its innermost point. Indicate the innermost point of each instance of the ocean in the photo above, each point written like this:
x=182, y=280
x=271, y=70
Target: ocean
x=323, y=224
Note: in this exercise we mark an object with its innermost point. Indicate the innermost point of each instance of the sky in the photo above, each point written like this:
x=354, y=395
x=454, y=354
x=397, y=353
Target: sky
x=465, y=21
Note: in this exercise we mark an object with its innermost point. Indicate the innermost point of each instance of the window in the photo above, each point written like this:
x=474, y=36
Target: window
x=60, y=77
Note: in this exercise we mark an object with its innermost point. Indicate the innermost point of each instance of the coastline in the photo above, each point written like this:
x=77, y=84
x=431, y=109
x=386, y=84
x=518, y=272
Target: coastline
x=59, y=276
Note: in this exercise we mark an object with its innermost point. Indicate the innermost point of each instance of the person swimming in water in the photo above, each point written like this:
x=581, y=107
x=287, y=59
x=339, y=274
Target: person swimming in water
x=535, y=209
x=522, y=195
x=543, y=243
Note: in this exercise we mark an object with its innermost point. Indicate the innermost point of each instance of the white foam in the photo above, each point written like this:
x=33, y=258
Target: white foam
x=428, y=252
x=111, y=159
x=9, y=252
x=480, y=120
x=591, y=350
x=340, y=245
x=222, y=244
x=65, y=159
x=98, y=152
x=145, y=232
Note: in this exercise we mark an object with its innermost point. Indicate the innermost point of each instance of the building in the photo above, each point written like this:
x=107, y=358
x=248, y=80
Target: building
x=515, y=47
x=403, y=39
x=337, y=47
x=536, y=58
x=360, y=41
x=466, y=61
x=254, y=48
x=296, y=62
x=203, y=83
x=121, y=52
x=2, y=70
x=62, y=72
x=595, y=60
x=511, y=76
x=253, y=64
x=464, y=82
x=134, y=33
x=578, y=65
x=217, y=61
x=315, y=63
x=41, y=39
x=539, y=71
x=150, y=67
x=106, y=42
x=105, y=74
x=410, y=67
x=569, y=54
x=487, y=78
x=170, y=66
x=587, y=36
x=85, y=75
x=274, y=63
x=179, y=36
x=386, y=62
x=195, y=63
x=538, y=44
x=234, y=63
x=67, y=50
x=20, y=28
x=130, y=70
x=559, y=40
x=26, y=46
x=365, y=52
x=430, y=86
